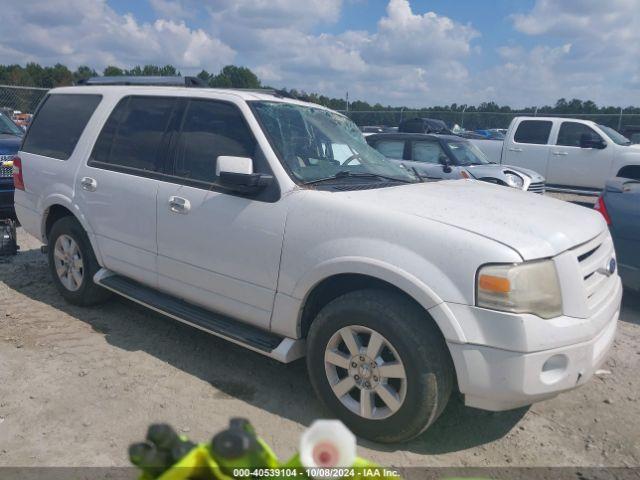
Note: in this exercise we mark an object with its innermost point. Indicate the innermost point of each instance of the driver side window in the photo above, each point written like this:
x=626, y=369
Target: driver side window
x=571, y=132
x=427, y=152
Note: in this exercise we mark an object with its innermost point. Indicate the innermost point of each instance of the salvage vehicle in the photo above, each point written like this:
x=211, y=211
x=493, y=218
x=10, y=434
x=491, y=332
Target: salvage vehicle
x=270, y=222
x=10, y=139
x=575, y=156
x=451, y=157
x=619, y=204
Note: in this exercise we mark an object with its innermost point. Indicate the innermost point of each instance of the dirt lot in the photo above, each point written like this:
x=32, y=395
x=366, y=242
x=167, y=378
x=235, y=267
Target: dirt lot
x=78, y=385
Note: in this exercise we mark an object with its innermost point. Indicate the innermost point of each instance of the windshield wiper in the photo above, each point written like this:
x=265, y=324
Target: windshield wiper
x=348, y=174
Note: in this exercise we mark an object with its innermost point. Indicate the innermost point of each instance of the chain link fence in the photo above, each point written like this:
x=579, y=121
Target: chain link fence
x=15, y=99
x=26, y=99
x=480, y=120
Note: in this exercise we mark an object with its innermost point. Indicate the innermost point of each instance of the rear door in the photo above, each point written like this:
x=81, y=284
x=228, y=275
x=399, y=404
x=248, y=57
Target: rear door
x=218, y=249
x=528, y=145
x=573, y=166
x=118, y=185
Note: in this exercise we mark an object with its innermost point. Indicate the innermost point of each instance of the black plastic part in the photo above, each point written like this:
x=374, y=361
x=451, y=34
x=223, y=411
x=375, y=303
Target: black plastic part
x=213, y=322
x=8, y=238
x=173, y=81
x=163, y=436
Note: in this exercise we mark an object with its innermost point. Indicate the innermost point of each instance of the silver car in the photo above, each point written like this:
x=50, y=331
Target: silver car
x=451, y=157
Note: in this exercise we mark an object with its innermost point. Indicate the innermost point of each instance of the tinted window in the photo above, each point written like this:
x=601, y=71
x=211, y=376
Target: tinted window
x=533, y=131
x=391, y=148
x=134, y=133
x=429, y=152
x=571, y=132
x=209, y=130
x=60, y=121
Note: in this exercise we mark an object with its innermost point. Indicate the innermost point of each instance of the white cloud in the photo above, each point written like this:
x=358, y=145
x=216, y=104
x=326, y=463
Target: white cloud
x=76, y=32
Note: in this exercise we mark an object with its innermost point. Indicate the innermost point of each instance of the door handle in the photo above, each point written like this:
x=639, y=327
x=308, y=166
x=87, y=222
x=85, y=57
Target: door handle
x=89, y=184
x=179, y=205
x=560, y=153
x=512, y=149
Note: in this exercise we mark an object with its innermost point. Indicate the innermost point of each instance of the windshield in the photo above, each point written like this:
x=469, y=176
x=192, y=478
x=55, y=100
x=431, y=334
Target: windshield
x=615, y=136
x=316, y=144
x=466, y=153
x=8, y=127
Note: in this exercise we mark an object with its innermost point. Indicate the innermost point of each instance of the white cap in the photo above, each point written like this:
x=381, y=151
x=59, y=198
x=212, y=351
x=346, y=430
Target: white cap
x=327, y=444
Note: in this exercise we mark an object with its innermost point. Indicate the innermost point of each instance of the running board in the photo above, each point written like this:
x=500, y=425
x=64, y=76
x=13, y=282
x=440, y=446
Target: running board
x=283, y=349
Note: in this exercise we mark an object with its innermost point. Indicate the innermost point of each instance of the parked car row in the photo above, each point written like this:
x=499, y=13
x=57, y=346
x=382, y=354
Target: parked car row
x=451, y=157
x=272, y=223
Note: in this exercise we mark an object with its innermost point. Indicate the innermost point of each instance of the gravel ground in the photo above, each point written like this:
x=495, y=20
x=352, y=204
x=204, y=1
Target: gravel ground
x=78, y=385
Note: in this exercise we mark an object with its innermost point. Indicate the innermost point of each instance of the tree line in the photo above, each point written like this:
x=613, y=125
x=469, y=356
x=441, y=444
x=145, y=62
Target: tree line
x=483, y=115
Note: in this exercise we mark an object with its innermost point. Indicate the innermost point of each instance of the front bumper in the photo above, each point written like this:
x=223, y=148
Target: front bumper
x=6, y=198
x=498, y=379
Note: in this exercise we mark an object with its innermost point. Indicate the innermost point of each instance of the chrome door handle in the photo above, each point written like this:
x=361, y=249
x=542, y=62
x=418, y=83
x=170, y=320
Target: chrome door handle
x=179, y=205
x=560, y=153
x=89, y=184
x=512, y=149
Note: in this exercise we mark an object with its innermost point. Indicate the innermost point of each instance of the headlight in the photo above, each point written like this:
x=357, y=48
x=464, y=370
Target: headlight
x=514, y=180
x=530, y=287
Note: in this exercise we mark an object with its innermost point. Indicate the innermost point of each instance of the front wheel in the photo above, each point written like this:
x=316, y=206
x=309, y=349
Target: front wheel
x=379, y=364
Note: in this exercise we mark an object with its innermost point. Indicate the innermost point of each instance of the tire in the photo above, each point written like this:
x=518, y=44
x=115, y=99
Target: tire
x=408, y=333
x=67, y=232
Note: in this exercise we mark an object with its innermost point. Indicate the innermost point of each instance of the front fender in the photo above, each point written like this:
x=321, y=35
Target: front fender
x=380, y=270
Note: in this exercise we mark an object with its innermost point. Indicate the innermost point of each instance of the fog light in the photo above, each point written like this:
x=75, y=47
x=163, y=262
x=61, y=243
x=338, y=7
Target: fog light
x=554, y=369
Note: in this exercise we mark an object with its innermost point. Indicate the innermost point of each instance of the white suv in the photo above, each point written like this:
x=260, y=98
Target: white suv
x=271, y=223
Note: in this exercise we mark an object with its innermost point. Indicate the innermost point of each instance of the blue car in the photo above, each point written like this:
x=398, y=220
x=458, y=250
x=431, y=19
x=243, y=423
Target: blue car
x=10, y=140
x=620, y=206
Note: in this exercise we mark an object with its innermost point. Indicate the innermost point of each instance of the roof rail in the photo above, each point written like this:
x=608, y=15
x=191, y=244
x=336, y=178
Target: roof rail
x=141, y=80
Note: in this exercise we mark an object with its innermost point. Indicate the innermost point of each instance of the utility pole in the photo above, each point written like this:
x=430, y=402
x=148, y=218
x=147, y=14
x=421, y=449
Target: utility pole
x=620, y=120
x=462, y=119
x=347, y=101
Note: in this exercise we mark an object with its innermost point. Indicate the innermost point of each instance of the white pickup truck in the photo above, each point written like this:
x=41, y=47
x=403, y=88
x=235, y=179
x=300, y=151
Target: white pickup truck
x=574, y=155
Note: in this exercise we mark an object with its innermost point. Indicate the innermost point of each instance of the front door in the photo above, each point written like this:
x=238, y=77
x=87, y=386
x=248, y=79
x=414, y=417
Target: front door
x=216, y=248
x=571, y=165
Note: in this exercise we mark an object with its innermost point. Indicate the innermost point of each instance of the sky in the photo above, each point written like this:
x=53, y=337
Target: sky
x=396, y=52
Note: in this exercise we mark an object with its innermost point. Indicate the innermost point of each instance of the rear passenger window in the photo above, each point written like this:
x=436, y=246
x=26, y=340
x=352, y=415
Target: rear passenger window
x=134, y=133
x=391, y=148
x=211, y=129
x=533, y=131
x=59, y=123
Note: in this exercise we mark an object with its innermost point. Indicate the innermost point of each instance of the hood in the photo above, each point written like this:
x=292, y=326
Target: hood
x=533, y=225
x=9, y=144
x=497, y=171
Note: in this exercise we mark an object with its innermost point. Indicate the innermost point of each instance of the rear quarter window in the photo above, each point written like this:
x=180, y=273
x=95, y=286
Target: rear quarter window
x=59, y=123
x=533, y=131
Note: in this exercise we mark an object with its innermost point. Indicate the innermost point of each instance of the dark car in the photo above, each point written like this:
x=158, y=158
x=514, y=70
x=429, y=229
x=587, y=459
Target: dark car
x=632, y=132
x=619, y=204
x=451, y=157
x=10, y=140
x=423, y=125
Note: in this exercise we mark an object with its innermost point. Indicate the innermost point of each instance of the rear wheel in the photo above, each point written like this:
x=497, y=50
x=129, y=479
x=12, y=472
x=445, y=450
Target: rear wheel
x=379, y=364
x=73, y=263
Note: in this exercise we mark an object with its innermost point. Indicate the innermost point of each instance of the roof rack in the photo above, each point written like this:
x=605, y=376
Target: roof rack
x=175, y=81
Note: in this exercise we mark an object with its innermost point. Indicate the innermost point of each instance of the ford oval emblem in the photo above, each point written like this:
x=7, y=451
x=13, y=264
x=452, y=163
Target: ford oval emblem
x=612, y=266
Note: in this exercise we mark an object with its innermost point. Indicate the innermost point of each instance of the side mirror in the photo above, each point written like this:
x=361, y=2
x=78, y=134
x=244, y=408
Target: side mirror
x=589, y=141
x=236, y=174
x=444, y=161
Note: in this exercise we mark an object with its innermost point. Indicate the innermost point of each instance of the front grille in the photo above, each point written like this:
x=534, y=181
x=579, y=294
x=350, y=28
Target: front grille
x=538, y=187
x=6, y=172
x=593, y=260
